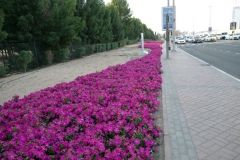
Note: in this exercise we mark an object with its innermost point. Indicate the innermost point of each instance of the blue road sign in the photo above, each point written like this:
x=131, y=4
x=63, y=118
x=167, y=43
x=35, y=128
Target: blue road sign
x=165, y=11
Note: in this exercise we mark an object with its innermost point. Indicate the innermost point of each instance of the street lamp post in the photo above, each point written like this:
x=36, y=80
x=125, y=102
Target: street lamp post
x=174, y=25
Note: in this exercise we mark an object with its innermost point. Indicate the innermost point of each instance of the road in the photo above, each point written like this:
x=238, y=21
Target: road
x=224, y=55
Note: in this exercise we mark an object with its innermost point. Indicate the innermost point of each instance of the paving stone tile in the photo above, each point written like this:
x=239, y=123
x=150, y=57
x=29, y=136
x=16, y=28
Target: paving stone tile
x=229, y=152
x=237, y=149
x=179, y=134
x=189, y=144
x=197, y=142
x=215, y=148
x=213, y=156
x=192, y=154
x=176, y=153
x=188, y=137
x=182, y=149
x=224, y=155
x=201, y=155
x=207, y=144
x=184, y=157
x=231, y=146
x=237, y=158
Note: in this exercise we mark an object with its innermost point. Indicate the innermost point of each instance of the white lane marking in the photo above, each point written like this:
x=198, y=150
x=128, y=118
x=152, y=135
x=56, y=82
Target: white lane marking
x=221, y=50
x=228, y=51
x=237, y=53
x=211, y=66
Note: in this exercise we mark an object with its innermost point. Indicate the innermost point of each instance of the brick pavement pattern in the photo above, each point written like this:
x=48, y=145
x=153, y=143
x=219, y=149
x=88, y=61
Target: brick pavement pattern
x=210, y=101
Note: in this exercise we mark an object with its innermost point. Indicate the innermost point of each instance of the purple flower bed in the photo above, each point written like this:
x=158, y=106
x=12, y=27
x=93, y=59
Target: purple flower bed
x=103, y=115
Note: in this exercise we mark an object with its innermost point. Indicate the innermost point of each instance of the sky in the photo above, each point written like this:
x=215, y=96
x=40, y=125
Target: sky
x=191, y=15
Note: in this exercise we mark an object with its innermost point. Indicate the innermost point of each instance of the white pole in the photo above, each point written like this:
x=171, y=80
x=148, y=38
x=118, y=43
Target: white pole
x=174, y=24
x=142, y=38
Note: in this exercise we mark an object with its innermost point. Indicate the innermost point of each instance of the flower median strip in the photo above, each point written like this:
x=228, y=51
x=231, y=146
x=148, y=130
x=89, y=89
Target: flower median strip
x=103, y=115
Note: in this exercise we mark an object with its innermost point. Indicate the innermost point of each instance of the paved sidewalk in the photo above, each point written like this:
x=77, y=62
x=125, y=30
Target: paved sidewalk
x=201, y=108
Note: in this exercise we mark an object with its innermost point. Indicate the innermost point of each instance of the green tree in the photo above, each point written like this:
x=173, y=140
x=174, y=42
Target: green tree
x=105, y=34
x=124, y=12
x=123, y=9
x=24, y=58
x=93, y=13
x=3, y=34
x=117, y=24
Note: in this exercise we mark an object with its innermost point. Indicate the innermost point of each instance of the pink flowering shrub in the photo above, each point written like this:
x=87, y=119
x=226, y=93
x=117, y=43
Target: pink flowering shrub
x=103, y=115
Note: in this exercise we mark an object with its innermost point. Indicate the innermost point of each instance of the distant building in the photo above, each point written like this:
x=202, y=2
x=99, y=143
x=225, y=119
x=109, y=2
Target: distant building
x=236, y=16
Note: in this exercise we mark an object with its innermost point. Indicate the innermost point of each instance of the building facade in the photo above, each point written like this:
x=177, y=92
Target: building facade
x=236, y=16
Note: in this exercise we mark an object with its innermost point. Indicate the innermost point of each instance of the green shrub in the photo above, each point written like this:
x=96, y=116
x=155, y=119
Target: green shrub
x=23, y=59
x=108, y=46
x=80, y=52
x=103, y=47
x=93, y=47
x=61, y=55
x=114, y=45
x=3, y=71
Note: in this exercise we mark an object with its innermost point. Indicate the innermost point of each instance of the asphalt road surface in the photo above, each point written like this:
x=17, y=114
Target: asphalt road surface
x=223, y=54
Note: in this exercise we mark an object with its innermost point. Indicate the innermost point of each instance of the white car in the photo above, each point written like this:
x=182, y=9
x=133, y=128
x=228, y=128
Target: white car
x=180, y=41
x=235, y=36
x=210, y=38
x=218, y=36
x=225, y=36
x=189, y=38
x=230, y=36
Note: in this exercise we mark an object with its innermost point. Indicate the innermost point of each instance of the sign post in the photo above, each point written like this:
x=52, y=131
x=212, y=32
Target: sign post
x=167, y=24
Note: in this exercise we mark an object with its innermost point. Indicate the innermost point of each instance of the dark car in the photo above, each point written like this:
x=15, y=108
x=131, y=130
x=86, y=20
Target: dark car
x=196, y=39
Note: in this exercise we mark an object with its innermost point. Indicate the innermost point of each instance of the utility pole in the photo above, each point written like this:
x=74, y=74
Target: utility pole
x=174, y=24
x=167, y=36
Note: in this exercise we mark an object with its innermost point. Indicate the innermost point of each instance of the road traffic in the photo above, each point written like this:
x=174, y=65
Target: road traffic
x=224, y=55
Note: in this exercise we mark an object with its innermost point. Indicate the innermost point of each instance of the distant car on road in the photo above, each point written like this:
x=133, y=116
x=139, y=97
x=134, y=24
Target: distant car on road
x=218, y=36
x=235, y=36
x=180, y=41
x=203, y=38
x=189, y=38
x=210, y=38
x=196, y=39
x=225, y=36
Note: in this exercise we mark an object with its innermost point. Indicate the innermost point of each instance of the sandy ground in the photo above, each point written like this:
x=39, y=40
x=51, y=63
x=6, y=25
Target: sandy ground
x=25, y=83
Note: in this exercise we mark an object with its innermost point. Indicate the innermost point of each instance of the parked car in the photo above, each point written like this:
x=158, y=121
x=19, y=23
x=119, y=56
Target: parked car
x=225, y=36
x=218, y=36
x=189, y=38
x=203, y=38
x=196, y=39
x=210, y=38
x=235, y=36
x=180, y=41
x=230, y=36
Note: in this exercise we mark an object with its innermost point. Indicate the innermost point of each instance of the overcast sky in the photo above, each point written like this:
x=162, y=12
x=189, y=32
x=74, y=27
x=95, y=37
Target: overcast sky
x=190, y=14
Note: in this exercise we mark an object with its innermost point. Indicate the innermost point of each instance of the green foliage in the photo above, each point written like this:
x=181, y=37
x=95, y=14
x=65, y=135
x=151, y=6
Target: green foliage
x=123, y=9
x=80, y=52
x=3, y=34
x=105, y=34
x=108, y=46
x=3, y=71
x=24, y=58
x=114, y=45
x=117, y=24
x=61, y=55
